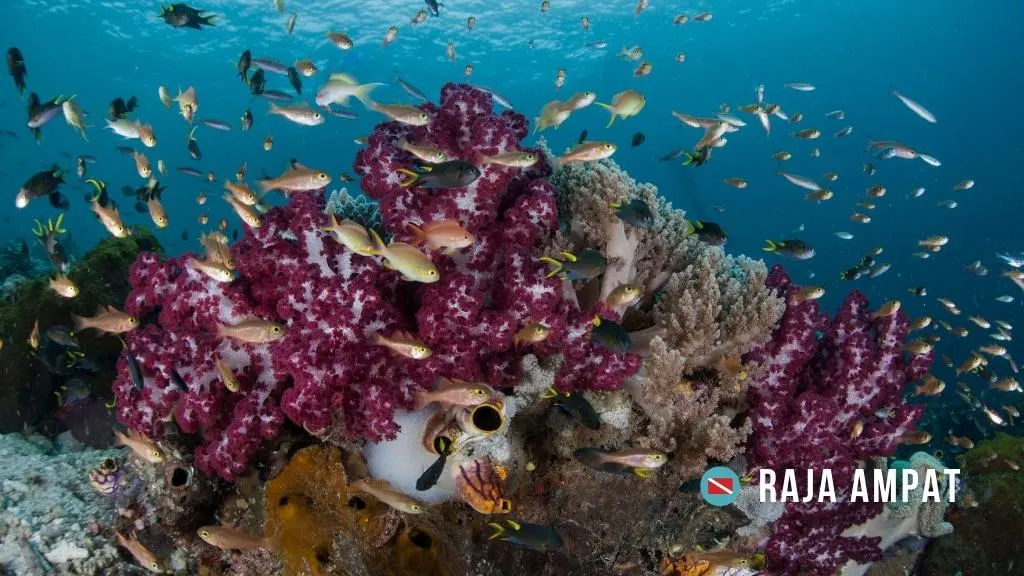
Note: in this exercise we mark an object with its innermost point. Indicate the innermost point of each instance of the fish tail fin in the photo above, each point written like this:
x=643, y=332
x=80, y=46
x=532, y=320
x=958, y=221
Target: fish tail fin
x=274, y=109
x=644, y=472
x=221, y=330
x=688, y=158
x=410, y=182
x=420, y=400
x=192, y=133
x=80, y=323
x=549, y=394
x=554, y=265
x=419, y=236
x=208, y=20
x=771, y=247
x=498, y=530
x=362, y=93
x=376, y=242
x=265, y=185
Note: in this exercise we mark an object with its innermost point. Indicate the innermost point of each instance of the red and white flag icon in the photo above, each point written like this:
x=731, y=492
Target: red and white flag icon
x=720, y=486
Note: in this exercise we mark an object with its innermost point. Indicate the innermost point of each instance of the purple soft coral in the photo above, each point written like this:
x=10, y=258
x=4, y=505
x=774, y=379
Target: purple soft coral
x=804, y=405
x=324, y=374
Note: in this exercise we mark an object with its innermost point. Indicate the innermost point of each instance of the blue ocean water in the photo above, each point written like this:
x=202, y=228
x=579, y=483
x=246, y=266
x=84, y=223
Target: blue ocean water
x=958, y=61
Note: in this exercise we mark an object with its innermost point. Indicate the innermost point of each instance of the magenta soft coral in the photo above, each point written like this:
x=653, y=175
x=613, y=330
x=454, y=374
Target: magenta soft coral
x=804, y=405
x=325, y=375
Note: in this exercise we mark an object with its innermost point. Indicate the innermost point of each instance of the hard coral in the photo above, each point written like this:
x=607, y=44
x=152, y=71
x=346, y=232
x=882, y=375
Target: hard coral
x=804, y=402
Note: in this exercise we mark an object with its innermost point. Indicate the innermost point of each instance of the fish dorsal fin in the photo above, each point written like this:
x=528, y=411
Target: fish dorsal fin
x=400, y=334
x=343, y=78
x=445, y=222
x=347, y=222
x=446, y=383
x=376, y=483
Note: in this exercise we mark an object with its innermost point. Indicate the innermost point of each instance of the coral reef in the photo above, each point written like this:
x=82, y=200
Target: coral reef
x=318, y=522
x=356, y=208
x=807, y=397
x=987, y=536
x=17, y=265
x=50, y=519
x=699, y=310
x=27, y=387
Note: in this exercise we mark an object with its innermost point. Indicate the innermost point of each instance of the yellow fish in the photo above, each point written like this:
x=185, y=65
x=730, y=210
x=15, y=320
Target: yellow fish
x=406, y=259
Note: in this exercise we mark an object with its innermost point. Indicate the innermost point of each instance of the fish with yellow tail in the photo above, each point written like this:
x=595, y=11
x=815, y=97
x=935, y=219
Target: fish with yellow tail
x=446, y=235
x=228, y=538
x=141, y=446
x=796, y=249
x=640, y=462
x=350, y=234
x=586, y=265
x=142, y=555
x=383, y=491
x=452, y=392
x=576, y=406
x=624, y=104
x=252, y=331
x=525, y=534
x=107, y=212
x=406, y=259
x=403, y=344
x=450, y=174
x=108, y=320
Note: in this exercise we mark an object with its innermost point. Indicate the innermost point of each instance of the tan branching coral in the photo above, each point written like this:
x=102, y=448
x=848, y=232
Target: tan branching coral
x=700, y=310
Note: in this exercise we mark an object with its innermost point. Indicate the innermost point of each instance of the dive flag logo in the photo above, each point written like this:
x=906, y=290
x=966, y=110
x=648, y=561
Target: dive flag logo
x=720, y=486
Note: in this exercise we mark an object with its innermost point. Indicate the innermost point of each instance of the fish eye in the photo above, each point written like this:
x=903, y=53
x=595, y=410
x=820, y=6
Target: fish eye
x=322, y=176
x=132, y=320
x=316, y=115
x=204, y=534
x=154, y=566
x=276, y=330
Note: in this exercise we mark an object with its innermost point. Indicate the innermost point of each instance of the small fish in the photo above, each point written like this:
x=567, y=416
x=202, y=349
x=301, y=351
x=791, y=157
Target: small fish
x=512, y=159
x=702, y=17
x=584, y=266
x=611, y=336
x=857, y=430
x=642, y=70
x=532, y=536
x=800, y=181
x=821, y=195
x=636, y=213
x=410, y=89
x=962, y=442
x=920, y=437
x=622, y=297
x=876, y=191
x=63, y=286
x=268, y=143
x=964, y=185
x=141, y=446
x=298, y=179
x=918, y=347
x=350, y=234
x=948, y=204
x=532, y=333
x=860, y=218
x=576, y=406
x=797, y=249
x=796, y=117
x=1005, y=298
x=384, y=492
x=107, y=319
x=972, y=363
x=605, y=461
x=213, y=270
x=843, y=132
x=142, y=555
x=33, y=337
x=545, y=5
x=800, y=86
x=835, y=115
x=445, y=447
x=291, y=22
x=1006, y=385
x=450, y=174
x=470, y=23
x=638, y=139
x=782, y=156
x=709, y=232
x=453, y=393
x=807, y=133
x=447, y=235
x=227, y=538
x=340, y=40
x=252, y=331
x=870, y=170
x=844, y=235
x=420, y=17
x=736, y=182
x=449, y=51
x=921, y=111
x=390, y=36
x=302, y=115
x=406, y=259
x=680, y=19
x=408, y=115
x=808, y=293
x=936, y=240
x=993, y=416
x=887, y=309
x=624, y=104
x=597, y=45
x=216, y=125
